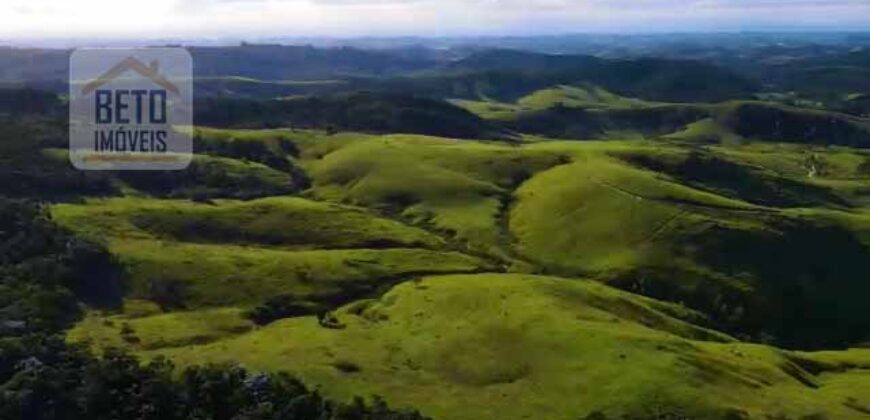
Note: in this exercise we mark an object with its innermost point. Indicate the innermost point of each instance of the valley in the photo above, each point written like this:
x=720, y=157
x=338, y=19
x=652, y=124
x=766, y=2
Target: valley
x=672, y=228
x=474, y=271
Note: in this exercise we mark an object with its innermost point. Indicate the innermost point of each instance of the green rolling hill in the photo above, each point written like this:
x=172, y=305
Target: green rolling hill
x=607, y=227
x=445, y=343
x=603, y=256
x=411, y=252
x=584, y=111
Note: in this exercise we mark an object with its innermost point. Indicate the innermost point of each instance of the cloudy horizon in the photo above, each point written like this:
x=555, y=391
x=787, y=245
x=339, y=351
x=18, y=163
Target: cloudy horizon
x=167, y=19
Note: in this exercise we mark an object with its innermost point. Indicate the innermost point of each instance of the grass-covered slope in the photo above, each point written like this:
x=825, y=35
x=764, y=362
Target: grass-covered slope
x=596, y=214
x=582, y=95
x=143, y=326
x=723, y=236
x=283, y=222
x=767, y=242
x=678, y=224
x=731, y=176
x=458, y=188
x=182, y=254
x=513, y=347
x=585, y=111
x=577, y=95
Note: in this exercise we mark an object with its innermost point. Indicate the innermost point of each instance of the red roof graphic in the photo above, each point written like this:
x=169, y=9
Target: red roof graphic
x=132, y=63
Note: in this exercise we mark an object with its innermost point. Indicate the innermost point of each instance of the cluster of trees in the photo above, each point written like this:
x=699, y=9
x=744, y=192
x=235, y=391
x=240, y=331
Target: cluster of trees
x=27, y=169
x=45, y=275
x=272, y=153
x=28, y=101
x=283, y=306
x=118, y=386
x=211, y=178
x=577, y=123
x=286, y=62
x=799, y=285
x=773, y=123
x=706, y=170
x=33, y=161
x=276, y=153
x=364, y=112
x=864, y=168
x=507, y=75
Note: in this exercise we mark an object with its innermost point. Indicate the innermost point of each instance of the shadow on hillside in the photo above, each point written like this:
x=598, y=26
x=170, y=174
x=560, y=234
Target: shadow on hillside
x=796, y=284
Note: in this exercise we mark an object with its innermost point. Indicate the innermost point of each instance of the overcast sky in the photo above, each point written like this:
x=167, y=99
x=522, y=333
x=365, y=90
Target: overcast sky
x=35, y=19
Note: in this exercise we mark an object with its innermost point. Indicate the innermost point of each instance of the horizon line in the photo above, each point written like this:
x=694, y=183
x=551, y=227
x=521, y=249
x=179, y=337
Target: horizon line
x=234, y=40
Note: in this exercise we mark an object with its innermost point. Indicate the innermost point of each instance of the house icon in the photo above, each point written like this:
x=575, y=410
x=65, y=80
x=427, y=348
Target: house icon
x=151, y=72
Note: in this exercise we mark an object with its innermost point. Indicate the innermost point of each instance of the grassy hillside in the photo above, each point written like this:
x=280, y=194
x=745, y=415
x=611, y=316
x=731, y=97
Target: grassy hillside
x=185, y=255
x=743, y=176
x=464, y=192
x=594, y=211
x=690, y=232
x=457, y=188
x=577, y=95
x=281, y=222
x=582, y=96
x=475, y=233
x=585, y=111
x=765, y=242
x=144, y=326
x=540, y=347
x=676, y=224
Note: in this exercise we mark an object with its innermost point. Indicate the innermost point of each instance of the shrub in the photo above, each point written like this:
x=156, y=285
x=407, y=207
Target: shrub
x=167, y=293
x=280, y=307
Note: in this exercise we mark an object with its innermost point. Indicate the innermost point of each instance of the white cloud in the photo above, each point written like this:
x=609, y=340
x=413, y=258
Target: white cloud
x=252, y=18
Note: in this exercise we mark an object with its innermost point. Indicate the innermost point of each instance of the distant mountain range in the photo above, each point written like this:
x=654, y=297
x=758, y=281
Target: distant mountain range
x=685, y=68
